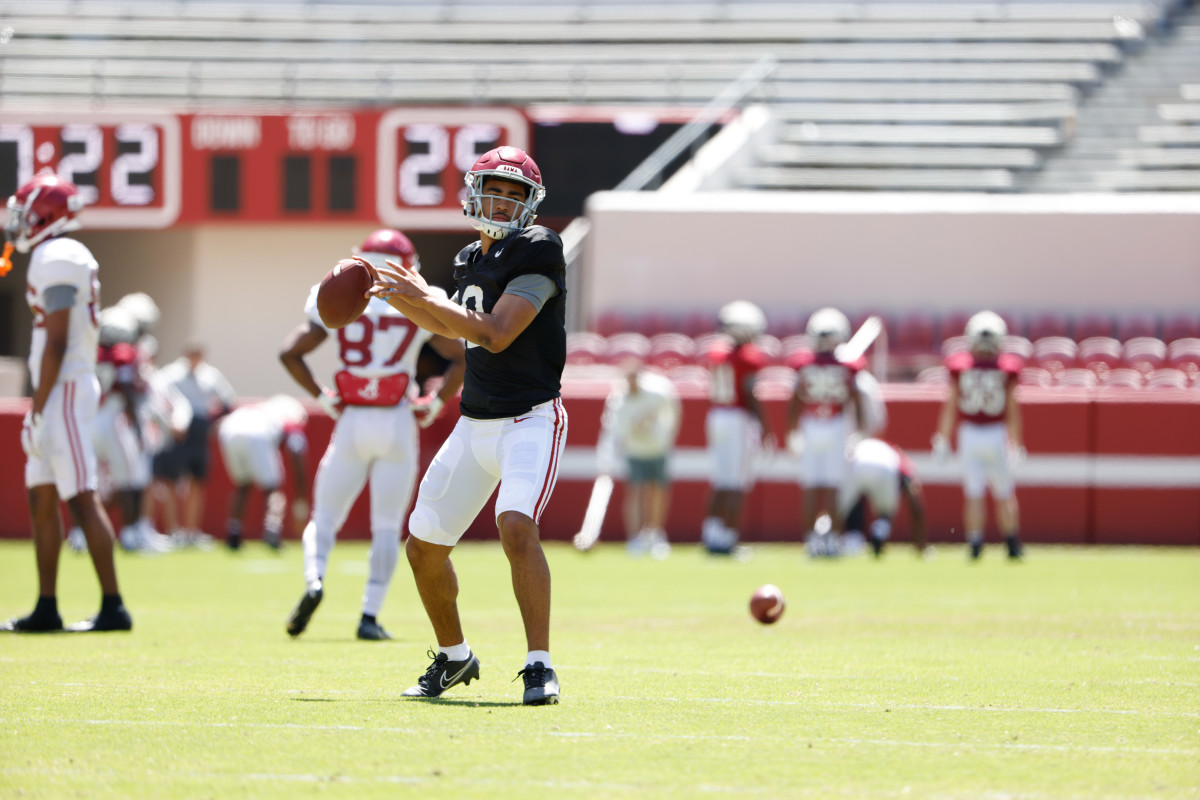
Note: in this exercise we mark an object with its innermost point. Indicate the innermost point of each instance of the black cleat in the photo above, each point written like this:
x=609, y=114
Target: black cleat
x=976, y=549
x=541, y=685
x=876, y=545
x=36, y=622
x=442, y=674
x=233, y=541
x=113, y=619
x=1016, y=551
x=303, y=611
x=273, y=540
x=371, y=631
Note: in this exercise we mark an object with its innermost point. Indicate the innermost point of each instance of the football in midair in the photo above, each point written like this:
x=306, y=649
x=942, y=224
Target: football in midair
x=767, y=604
x=341, y=298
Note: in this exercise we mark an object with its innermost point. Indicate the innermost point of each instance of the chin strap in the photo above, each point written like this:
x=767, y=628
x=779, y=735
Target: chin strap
x=6, y=264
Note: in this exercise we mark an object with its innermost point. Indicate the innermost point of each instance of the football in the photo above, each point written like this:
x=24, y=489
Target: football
x=341, y=298
x=767, y=604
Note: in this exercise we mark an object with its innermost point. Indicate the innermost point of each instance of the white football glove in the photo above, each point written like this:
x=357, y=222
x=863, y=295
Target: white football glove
x=1016, y=454
x=33, y=434
x=941, y=447
x=795, y=442
x=426, y=409
x=330, y=403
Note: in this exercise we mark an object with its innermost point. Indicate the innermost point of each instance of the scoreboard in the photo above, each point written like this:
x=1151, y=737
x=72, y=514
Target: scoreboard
x=127, y=166
x=403, y=167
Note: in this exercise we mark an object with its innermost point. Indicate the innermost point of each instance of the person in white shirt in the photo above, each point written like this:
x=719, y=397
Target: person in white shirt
x=63, y=292
x=211, y=396
x=641, y=423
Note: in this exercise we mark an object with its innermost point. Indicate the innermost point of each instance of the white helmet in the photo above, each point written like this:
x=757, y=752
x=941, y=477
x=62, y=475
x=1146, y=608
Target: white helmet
x=117, y=326
x=143, y=308
x=985, y=332
x=286, y=408
x=742, y=320
x=828, y=328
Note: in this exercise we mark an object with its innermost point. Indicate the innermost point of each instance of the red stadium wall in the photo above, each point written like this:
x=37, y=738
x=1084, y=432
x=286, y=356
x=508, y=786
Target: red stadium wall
x=1104, y=467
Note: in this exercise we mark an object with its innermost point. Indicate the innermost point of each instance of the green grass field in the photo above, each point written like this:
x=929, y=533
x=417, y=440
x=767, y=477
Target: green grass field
x=1073, y=675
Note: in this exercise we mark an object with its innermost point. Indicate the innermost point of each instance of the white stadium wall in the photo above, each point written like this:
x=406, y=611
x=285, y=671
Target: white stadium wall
x=795, y=251
x=239, y=289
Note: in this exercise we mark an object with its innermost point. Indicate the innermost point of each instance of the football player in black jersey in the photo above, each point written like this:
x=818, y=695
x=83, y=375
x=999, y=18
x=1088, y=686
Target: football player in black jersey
x=510, y=307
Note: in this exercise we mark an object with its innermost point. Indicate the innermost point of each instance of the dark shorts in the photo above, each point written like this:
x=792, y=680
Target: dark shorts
x=186, y=457
x=648, y=470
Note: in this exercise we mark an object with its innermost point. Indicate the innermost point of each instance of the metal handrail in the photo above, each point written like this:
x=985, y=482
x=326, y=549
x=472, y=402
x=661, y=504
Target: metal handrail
x=685, y=137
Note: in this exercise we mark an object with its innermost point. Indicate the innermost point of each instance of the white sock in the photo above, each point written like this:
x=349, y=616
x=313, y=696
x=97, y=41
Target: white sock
x=457, y=652
x=385, y=550
x=316, y=546
x=536, y=656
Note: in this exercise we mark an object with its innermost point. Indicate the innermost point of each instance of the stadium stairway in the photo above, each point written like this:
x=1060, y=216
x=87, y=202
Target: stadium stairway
x=1123, y=141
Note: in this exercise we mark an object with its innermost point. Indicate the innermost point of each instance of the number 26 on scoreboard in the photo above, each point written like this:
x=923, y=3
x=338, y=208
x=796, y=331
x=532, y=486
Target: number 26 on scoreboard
x=424, y=153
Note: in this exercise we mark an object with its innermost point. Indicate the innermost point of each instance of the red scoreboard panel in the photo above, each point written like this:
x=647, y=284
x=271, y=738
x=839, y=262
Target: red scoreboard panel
x=126, y=165
x=403, y=166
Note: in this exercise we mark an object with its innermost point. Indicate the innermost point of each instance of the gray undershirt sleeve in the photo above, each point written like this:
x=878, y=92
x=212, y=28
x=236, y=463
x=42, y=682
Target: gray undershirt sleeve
x=537, y=289
x=59, y=297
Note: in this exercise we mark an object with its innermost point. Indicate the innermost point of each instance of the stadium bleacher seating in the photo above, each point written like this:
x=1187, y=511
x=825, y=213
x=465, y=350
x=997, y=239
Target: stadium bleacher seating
x=1122, y=377
x=1035, y=376
x=1048, y=323
x=1181, y=326
x=1089, y=325
x=1077, y=377
x=1144, y=353
x=1055, y=353
x=881, y=94
x=1100, y=353
x=1168, y=378
x=1136, y=324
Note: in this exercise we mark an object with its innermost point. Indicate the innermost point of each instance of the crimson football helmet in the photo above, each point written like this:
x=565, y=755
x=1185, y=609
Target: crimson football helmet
x=388, y=243
x=45, y=206
x=506, y=163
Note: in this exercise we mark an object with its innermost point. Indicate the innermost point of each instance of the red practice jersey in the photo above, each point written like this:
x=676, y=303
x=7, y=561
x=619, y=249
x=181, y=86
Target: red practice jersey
x=825, y=383
x=982, y=385
x=729, y=368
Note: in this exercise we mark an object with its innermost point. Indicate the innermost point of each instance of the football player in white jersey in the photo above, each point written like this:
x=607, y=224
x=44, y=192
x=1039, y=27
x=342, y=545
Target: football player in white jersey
x=63, y=293
x=375, y=437
x=250, y=438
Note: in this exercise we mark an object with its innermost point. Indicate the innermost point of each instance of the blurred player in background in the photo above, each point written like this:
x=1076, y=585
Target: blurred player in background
x=63, y=292
x=510, y=306
x=118, y=432
x=375, y=436
x=879, y=474
x=211, y=397
x=826, y=405
x=166, y=416
x=982, y=400
x=251, y=438
x=737, y=426
x=640, y=424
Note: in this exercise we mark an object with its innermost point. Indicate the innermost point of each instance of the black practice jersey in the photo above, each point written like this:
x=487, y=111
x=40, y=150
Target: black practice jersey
x=529, y=371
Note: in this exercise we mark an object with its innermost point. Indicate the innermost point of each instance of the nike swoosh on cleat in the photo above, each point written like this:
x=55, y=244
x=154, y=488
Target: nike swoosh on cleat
x=447, y=684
